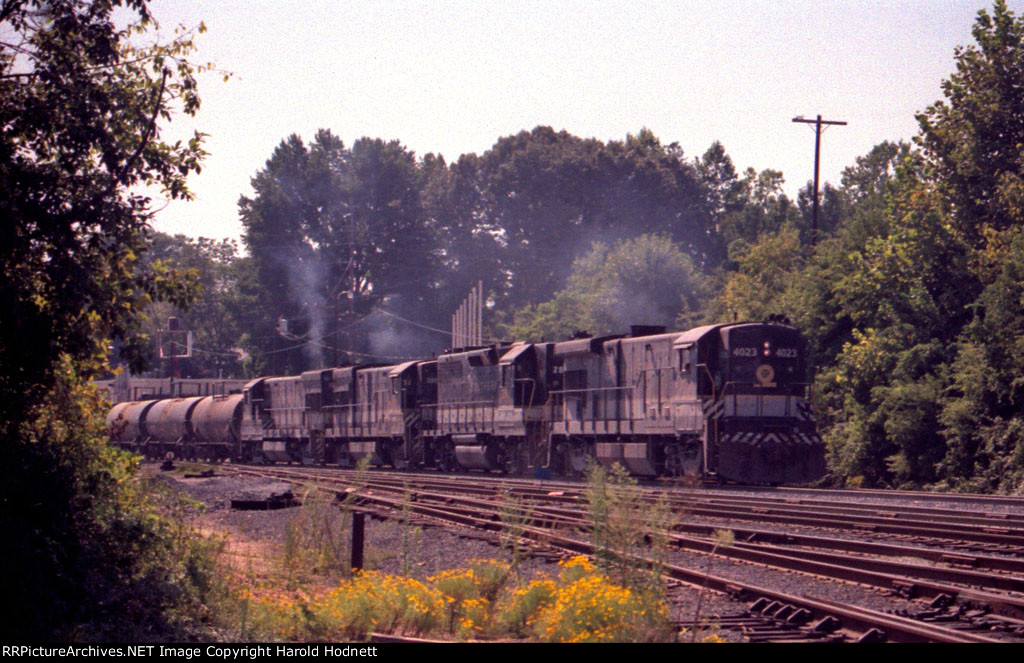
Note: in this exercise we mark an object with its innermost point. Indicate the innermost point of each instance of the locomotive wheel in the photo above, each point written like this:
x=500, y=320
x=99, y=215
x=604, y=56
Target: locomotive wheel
x=674, y=465
x=574, y=459
x=445, y=458
x=506, y=461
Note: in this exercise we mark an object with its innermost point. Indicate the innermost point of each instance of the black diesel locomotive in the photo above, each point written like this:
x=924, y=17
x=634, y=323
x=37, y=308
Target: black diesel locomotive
x=723, y=401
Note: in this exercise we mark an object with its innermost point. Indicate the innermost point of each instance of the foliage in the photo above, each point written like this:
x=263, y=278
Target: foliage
x=581, y=605
x=981, y=413
x=629, y=533
x=332, y=232
x=316, y=538
x=81, y=107
x=832, y=203
x=922, y=389
x=646, y=280
x=719, y=539
x=224, y=307
x=590, y=608
x=759, y=207
x=516, y=517
x=872, y=175
x=764, y=272
x=91, y=556
x=974, y=139
x=538, y=199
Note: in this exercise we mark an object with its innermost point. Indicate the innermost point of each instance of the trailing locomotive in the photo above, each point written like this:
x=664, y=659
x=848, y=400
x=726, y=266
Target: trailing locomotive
x=725, y=402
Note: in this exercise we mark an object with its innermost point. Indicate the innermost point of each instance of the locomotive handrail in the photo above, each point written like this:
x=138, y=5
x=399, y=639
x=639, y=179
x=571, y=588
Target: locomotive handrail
x=459, y=407
x=566, y=391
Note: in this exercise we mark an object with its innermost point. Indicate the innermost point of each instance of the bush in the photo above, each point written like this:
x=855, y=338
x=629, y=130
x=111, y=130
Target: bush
x=581, y=605
x=89, y=553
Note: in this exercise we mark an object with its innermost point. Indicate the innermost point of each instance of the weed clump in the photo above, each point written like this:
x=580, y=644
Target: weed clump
x=580, y=605
x=629, y=532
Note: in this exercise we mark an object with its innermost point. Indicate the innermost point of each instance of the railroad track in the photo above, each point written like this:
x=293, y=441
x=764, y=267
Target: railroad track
x=969, y=597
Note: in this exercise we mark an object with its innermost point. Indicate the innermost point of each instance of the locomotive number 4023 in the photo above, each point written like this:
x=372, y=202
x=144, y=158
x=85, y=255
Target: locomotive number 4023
x=784, y=353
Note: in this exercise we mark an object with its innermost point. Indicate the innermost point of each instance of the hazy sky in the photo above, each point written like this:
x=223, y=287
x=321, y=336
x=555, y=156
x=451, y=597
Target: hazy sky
x=452, y=77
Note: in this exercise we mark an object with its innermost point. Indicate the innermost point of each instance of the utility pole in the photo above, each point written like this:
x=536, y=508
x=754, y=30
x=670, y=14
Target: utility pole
x=818, y=124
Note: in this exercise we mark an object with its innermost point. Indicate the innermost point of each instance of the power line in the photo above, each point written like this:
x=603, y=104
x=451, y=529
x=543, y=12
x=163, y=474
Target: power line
x=433, y=329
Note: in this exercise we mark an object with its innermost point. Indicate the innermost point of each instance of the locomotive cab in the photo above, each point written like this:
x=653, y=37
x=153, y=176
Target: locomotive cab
x=762, y=427
x=762, y=359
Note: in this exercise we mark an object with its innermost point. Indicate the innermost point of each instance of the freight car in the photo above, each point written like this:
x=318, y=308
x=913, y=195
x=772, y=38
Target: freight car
x=725, y=402
x=198, y=428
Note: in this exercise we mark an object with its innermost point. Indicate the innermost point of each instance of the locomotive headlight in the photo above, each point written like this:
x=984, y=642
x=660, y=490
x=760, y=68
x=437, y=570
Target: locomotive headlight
x=767, y=349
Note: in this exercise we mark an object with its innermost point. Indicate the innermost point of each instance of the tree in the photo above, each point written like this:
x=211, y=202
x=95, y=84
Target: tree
x=905, y=294
x=223, y=309
x=974, y=140
x=332, y=232
x=765, y=270
x=759, y=207
x=982, y=406
x=81, y=109
x=871, y=174
x=646, y=280
x=544, y=197
x=973, y=147
x=470, y=246
x=831, y=211
x=721, y=184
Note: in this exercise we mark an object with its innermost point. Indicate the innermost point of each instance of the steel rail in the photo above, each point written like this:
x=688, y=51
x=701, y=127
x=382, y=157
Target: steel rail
x=887, y=524
x=479, y=514
x=895, y=628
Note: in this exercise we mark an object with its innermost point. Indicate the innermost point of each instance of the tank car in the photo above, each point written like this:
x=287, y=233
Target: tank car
x=200, y=427
x=216, y=427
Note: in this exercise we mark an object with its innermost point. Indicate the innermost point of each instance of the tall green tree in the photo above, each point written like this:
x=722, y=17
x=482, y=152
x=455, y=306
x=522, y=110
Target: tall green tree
x=974, y=139
x=646, y=280
x=906, y=306
x=222, y=312
x=723, y=188
x=923, y=388
x=765, y=271
x=470, y=245
x=758, y=207
x=81, y=110
x=543, y=197
x=872, y=174
x=334, y=231
x=973, y=143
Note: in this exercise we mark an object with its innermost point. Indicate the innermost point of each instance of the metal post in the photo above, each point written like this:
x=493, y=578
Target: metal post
x=471, y=310
x=480, y=312
x=358, y=536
